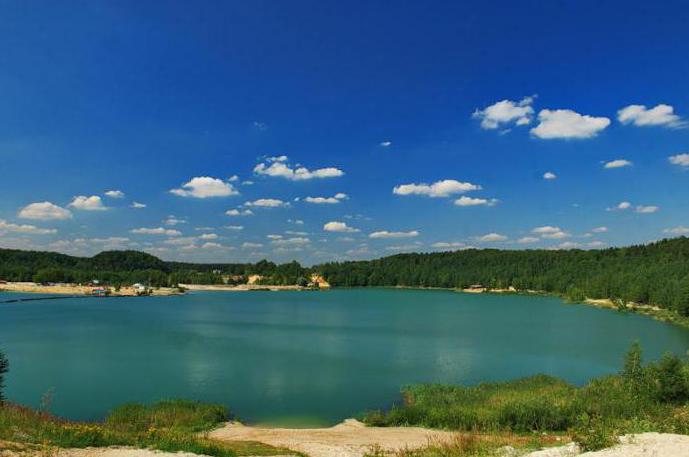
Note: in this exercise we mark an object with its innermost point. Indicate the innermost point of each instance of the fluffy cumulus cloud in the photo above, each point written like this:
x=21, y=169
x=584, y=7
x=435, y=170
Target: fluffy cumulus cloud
x=23, y=228
x=641, y=116
x=267, y=203
x=528, y=240
x=619, y=163
x=444, y=188
x=492, y=238
x=173, y=220
x=339, y=227
x=249, y=245
x=114, y=194
x=505, y=113
x=448, y=245
x=137, y=205
x=280, y=167
x=680, y=230
x=205, y=187
x=239, y=212
x=567, y=124
x=550, y=232
x=469, y=201
x=549, y=175
x=337, y=198
x=384, y=234
x=156, y=231
x=681, y=160
x=647, y=209
x=44, y=211
x=92, y=203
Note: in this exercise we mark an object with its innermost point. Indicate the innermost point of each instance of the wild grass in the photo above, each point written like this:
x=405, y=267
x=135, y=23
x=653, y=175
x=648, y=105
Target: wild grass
x=172, y=425
x=640, y=398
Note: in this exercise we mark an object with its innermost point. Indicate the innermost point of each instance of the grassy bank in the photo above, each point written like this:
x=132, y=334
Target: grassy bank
x=174, y=425
x=640, y=398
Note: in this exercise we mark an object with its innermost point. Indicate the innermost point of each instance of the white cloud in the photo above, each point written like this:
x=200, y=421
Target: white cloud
x=505, y=112
x=647, y=209
x=619, y=163
x=565, y=123
x=205, y=187
x=680, y=230
x=492, y=237
x=556, y=235
x=660, y=115
x=278, y=167
x=248, y=245
x=621, y=206
x=546, y=229
x=386, y=144
x=527, y=240
x=233, y=178
x=211, y=245
x=208, y=236
x=44, y=211
x=549, y=175
x=327, y=200
x=156, y=231
x=444, y=188
x=24, y=228
x=234, y=227
x=295, y=221
x=92, y=203
x=137, y=205
x=339, y=227
x=468, y=201
x=384, y=234
x=274, y=237
x=291, y=242
x=238, y=212
x=599, y=229
x=172, y=220
x=679, y=159
x=114, y=194
x=267, y=203
x=448, y=245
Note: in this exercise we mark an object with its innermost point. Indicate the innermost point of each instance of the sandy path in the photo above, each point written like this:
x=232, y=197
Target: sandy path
x=351, y=438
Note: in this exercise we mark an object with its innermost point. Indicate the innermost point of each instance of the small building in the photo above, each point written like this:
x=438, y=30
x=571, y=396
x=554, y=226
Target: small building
x=99, y=291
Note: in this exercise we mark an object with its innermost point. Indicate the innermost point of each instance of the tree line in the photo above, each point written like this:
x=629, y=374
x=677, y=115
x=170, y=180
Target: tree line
x=655, y=273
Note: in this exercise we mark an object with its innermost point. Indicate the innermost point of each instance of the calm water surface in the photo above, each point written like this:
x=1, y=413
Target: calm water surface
x=303, y=358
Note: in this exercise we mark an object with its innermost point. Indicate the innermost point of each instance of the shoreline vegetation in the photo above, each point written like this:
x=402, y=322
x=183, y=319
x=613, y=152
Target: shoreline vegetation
x=432, y=420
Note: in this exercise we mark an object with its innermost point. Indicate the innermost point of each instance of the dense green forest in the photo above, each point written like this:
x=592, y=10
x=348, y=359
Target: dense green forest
x=128, y=267
x=656, y=273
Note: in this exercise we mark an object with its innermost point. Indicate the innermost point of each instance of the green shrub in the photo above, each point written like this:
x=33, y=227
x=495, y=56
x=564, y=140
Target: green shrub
x=593, y=433
x=672, y=379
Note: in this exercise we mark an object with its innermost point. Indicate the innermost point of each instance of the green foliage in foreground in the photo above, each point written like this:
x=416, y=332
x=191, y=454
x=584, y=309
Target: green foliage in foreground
x=641, y=398
x=172, y=425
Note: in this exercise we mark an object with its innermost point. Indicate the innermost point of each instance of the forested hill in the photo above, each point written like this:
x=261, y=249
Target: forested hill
x=656, y=273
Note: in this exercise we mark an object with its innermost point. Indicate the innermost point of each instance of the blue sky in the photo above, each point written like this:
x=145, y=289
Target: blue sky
x=411, y=125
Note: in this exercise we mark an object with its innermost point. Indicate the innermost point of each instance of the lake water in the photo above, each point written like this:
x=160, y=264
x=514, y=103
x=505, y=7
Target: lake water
x=298, y=358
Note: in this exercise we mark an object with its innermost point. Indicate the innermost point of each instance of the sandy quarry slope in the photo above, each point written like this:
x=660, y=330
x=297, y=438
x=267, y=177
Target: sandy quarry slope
x=352, y=439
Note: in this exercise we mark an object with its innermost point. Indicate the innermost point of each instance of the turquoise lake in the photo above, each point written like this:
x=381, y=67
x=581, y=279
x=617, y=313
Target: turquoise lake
x=303, y=358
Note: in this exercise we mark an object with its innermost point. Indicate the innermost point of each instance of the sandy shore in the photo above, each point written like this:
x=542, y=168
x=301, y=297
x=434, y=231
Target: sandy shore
x=76, y=289
x=350, y=438
x=238, y=288
x=353, y=439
